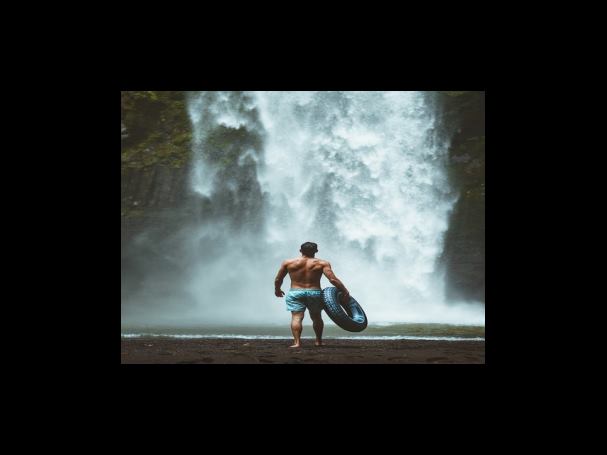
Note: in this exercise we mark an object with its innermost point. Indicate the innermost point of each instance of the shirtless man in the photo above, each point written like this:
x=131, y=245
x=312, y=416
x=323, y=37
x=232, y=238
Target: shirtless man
x=305, y=272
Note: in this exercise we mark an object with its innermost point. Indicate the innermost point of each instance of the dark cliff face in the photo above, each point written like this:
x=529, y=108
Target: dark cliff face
x=155, y=200
x=463, y=117
x=157, y=204
x=156, y=136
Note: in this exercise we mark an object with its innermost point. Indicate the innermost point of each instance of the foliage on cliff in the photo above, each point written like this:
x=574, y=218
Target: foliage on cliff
x=155, y=129
x=155, y=150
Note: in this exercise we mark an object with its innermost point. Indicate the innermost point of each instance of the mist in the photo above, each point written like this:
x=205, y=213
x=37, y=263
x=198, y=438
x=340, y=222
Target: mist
x=363, y=174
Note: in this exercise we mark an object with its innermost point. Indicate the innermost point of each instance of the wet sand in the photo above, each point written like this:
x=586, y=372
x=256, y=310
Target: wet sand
x=256, y=351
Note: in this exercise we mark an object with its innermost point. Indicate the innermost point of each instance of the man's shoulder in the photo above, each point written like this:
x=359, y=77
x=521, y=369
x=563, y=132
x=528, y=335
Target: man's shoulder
x=299, y=259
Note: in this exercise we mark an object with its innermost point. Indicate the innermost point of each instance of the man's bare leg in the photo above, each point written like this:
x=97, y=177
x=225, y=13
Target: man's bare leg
x=296, y=327
x=318, y=325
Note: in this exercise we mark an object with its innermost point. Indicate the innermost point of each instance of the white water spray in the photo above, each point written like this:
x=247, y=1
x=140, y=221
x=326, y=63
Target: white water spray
x=363, y=174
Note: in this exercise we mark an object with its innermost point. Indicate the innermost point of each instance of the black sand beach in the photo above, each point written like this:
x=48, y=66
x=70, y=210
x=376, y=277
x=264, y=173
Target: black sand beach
x=336, y=351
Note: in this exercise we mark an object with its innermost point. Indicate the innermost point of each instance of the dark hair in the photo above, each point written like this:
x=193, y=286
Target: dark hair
x=309, y=248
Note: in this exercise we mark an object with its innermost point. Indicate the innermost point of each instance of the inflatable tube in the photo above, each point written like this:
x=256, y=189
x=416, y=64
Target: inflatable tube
x=353, y=319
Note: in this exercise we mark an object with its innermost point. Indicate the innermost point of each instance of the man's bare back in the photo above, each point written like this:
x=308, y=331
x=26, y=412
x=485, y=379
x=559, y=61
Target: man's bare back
x=305, y=273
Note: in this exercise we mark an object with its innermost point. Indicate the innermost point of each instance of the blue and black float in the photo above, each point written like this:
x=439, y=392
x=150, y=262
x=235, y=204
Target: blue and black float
x=350, y=317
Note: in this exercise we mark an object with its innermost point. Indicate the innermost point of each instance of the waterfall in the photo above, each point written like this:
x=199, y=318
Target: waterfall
x=363, y=174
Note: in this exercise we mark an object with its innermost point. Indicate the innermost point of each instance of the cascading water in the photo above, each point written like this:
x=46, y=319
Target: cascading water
x=363, y=174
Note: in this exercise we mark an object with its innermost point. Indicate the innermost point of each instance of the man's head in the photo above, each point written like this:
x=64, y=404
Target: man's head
x=309, y=249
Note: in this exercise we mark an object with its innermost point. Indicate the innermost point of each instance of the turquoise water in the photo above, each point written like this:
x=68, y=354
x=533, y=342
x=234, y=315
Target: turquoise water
x=391, y=331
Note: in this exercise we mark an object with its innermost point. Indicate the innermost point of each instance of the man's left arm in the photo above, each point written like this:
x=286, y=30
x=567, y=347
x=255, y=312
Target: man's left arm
x=282, y=272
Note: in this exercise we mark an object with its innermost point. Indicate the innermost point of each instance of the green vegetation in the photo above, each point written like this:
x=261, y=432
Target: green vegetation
x=131, y=213
x=156, y=129
x=156, y=133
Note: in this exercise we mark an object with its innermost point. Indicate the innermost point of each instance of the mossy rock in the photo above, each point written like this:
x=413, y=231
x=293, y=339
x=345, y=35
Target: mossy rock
x=158, y=130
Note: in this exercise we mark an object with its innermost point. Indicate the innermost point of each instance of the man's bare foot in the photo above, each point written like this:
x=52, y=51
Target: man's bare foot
x=296, y=346
x=318, y=343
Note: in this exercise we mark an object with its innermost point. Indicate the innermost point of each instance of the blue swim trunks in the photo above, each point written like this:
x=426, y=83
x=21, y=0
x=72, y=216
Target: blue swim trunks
x=300, y=299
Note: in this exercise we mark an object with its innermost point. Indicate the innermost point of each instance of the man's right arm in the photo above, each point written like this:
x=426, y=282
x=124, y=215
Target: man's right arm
x=328, y=272
x=282, y=272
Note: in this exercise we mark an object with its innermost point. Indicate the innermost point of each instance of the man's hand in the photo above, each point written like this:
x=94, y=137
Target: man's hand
x=282, y=272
